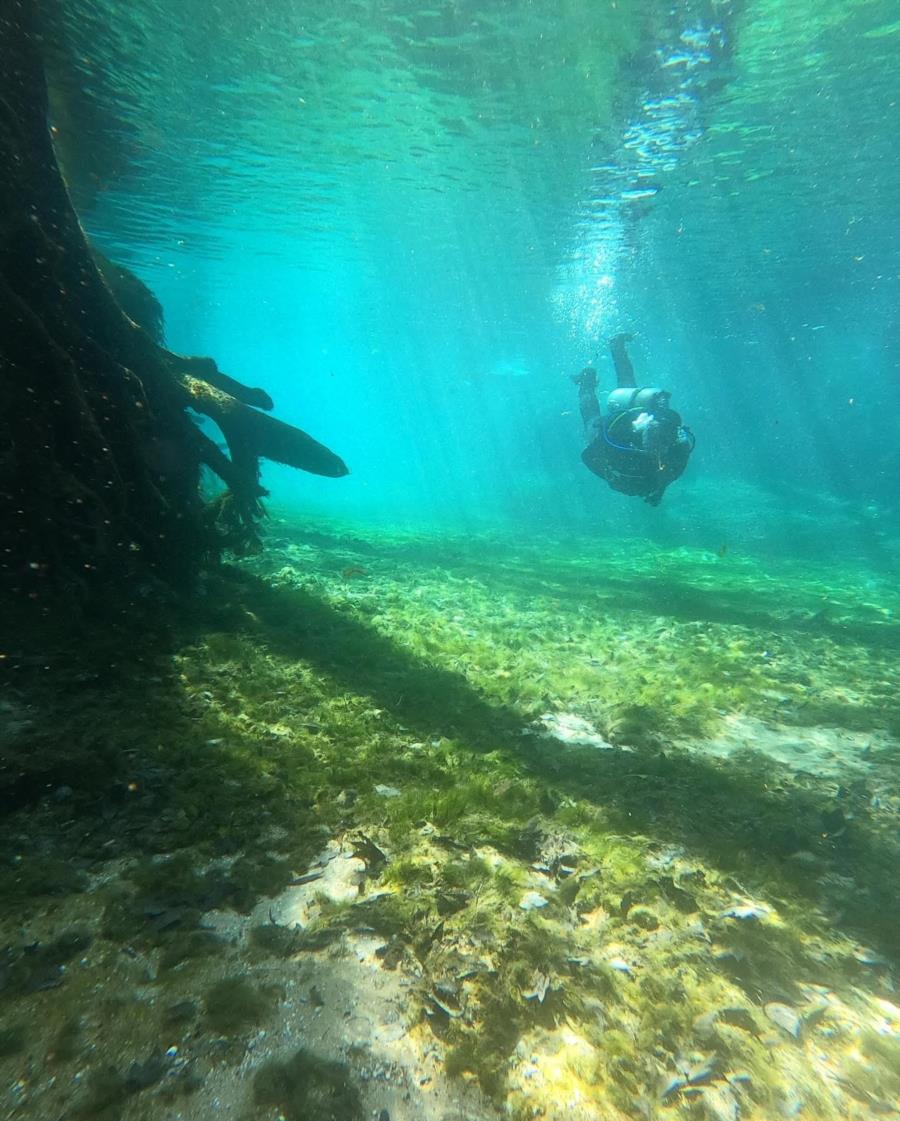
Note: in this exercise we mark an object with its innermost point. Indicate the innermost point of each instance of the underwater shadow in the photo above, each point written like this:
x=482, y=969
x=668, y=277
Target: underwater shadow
x=689, y=604
x=427, y=699
x=654, y=596
x=640, y=593
x=734, y=815
x=105, y=753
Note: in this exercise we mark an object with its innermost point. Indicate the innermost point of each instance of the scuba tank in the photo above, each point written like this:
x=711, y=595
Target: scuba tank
x=639, y=420
x=643, y=399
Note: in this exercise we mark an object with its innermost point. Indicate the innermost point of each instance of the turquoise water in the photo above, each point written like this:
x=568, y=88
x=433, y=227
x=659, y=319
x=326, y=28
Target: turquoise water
x=412, y=224
x=480, y=791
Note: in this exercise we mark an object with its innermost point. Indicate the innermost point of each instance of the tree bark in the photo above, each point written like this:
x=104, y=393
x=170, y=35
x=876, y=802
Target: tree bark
x=99, y=459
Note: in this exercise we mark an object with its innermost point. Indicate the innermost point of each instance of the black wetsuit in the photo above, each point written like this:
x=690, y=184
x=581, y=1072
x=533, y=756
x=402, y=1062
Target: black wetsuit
x=642, y=458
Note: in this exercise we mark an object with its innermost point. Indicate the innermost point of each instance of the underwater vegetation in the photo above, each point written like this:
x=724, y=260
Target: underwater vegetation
x=581, y=828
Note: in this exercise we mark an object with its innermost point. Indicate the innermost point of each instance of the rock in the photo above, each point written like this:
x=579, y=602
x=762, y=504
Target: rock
x=704, y=1071
x=540, y=985
x=672, y=1087
x=814, y=1014
x=683, y=900
x=705, y=1026
x=745, y=912
x=784, y=1017
x=141, y=1076
x=739, y=1018
x=532, y=901
x=720, y=1104
x=792, y=1104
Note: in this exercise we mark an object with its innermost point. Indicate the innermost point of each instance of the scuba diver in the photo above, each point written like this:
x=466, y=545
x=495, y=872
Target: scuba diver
x=640, y=446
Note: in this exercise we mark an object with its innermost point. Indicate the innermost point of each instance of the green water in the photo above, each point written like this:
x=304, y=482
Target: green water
x=483, y=791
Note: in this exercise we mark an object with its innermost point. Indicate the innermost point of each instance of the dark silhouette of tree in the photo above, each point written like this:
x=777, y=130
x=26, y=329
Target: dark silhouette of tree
x=99, y=458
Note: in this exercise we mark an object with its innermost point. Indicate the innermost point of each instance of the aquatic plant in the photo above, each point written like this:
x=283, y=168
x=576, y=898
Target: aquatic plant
x=235, y=1004
x=307, y=1088
x=594, y=915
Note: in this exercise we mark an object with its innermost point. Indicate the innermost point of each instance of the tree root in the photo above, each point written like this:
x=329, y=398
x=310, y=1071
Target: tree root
x=99, y=457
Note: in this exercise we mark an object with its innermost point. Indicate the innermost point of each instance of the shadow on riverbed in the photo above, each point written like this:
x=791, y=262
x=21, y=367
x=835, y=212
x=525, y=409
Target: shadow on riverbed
x=107, y=752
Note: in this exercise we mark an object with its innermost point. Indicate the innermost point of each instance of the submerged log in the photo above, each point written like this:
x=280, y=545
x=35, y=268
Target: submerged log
x=99, y=458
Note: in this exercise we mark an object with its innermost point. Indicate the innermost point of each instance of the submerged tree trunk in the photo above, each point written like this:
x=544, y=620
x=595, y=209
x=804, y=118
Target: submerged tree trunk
x=99, y=459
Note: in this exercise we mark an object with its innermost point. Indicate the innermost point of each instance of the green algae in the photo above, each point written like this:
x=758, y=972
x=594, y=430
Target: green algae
x=12, y=1039
x=875, y=1074
x=36, y=876
x=307, y=1088
x=38, y=966
x=309, y=696
x=234, y=1004
x=104, y=1095
x=281, y=941
x=67, y=1044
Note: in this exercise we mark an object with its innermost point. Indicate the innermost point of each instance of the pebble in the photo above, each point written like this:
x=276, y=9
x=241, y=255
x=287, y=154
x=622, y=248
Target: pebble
x=386, y=791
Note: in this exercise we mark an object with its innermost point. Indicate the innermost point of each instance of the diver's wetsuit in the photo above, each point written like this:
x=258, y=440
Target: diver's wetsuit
x=640, y=446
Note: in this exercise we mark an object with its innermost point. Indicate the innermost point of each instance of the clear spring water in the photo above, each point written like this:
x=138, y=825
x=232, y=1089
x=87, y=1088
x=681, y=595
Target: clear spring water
x=412, y=223
x=624, y=780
